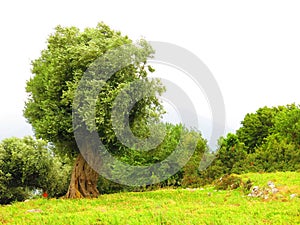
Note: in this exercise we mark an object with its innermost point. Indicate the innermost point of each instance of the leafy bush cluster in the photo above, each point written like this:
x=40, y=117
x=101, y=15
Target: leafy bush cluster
x=28, y=165
x=177, y=137
x=230, y=182
x=268, y=141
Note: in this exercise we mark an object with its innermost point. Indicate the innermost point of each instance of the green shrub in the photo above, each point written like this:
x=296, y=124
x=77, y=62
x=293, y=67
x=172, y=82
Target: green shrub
x=228, y=182
x=26, y=165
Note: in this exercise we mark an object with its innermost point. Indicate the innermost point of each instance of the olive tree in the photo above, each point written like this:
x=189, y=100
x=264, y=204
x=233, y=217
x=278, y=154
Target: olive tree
x=58, y=72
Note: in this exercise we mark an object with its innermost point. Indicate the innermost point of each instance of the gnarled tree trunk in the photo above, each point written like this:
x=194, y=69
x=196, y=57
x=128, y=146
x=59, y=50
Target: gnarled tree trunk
x=83, y=182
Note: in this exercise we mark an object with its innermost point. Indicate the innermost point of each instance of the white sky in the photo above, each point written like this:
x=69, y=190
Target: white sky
x=251, y=47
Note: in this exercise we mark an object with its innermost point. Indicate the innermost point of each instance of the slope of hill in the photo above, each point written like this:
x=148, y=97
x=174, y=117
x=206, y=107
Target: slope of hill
x=172, y=206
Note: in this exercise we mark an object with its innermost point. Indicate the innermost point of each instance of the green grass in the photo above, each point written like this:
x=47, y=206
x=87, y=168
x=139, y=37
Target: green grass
x=167, y=206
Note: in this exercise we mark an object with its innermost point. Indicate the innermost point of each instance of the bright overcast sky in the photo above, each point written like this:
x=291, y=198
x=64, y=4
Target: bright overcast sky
x=251, y=47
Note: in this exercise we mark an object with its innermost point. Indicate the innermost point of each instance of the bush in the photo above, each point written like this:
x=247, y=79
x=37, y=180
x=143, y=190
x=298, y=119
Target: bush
x=228, y=182
x=27, y=165
x=276, y=154
x=177, y=137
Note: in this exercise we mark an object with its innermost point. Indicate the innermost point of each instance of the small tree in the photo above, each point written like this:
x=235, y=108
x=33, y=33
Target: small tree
x=230, y=158
x=287, y=123
x=277, y=154
x=280, y=150
x=257, y=126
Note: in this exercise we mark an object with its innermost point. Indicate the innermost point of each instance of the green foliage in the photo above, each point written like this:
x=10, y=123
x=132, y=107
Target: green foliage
x=229, y=158
x=190, y=172
x=276, y=154
x=283, y=120
x=256, y=127
x=231, y=153
x=287, y=124
x=267, y=141
x=228, y=182
x=58, y=71
x=26, y=165
x=169, y=143
x=177, y=137
x=279, y=151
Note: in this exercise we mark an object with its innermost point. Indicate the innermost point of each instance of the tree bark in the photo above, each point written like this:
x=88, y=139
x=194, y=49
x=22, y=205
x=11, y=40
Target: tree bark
x=84, y=180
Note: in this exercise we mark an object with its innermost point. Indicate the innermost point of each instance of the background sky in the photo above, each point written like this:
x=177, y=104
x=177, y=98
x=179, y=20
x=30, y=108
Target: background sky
x=251, y=47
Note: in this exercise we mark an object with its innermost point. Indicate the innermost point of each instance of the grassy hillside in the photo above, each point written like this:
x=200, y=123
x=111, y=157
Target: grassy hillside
x=180, y=206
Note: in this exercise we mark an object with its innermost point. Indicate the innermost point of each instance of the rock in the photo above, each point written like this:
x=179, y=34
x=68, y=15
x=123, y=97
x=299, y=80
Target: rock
x=271, y=184
x=266, y=197
x=255, y=188
x=191, y=189
x=34, y=210
x=264, y=192
x=255, y=191
x=274, y=190
x=293, y=196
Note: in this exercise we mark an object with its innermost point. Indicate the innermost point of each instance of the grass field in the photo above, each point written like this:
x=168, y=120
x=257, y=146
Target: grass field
x=168, y=206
